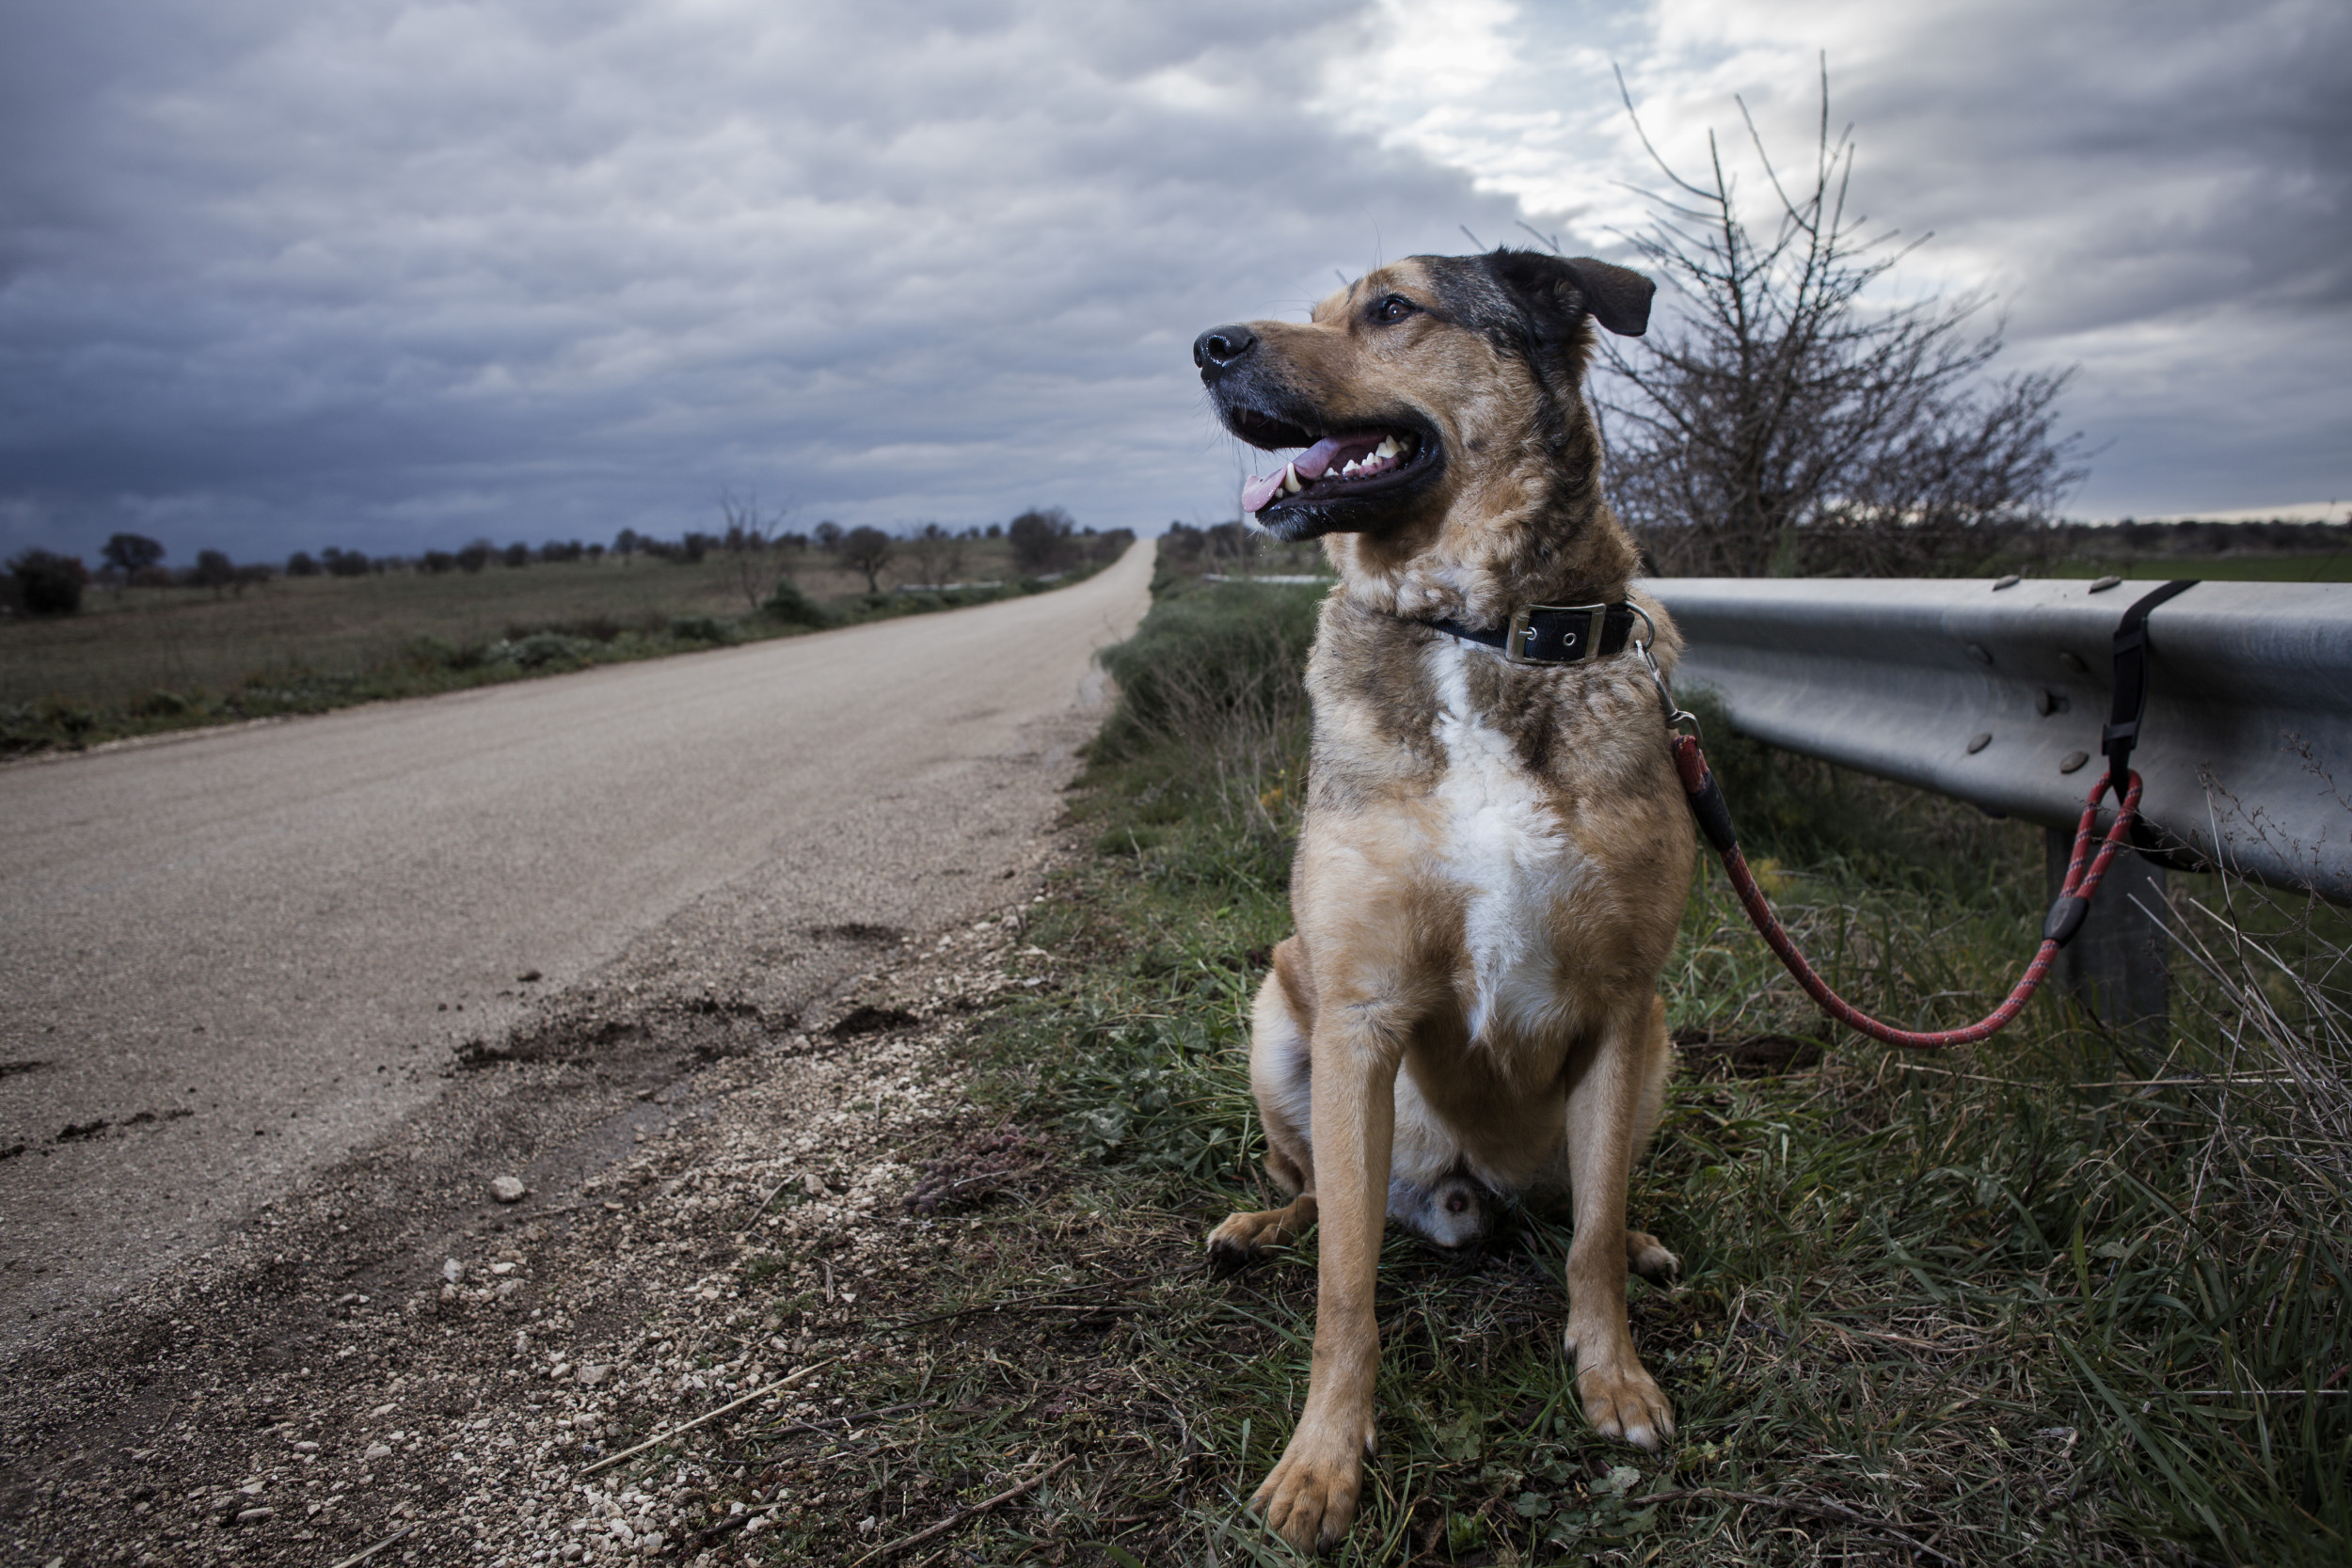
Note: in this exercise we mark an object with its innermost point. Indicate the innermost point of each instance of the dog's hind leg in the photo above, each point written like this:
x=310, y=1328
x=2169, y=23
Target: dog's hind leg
x=1644, y=1254
x=1613, y=1106
x=1279, y=1076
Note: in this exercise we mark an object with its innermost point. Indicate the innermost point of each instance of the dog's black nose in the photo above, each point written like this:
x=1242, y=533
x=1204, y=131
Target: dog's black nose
x=1219, y=346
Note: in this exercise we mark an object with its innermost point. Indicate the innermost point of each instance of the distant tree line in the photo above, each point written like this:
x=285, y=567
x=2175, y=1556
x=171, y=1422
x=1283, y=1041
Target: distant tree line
x=1043, y=540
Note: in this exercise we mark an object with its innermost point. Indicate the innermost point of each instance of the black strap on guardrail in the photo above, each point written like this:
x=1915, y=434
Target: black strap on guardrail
x=2131, y=682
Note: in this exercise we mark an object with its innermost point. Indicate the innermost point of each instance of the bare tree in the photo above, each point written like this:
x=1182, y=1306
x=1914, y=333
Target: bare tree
x=759, y=559
x=1782, y=424
x=937, y=554
x=868, y=550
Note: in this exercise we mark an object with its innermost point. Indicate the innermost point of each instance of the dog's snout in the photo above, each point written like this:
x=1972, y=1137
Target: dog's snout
x=1220, y=347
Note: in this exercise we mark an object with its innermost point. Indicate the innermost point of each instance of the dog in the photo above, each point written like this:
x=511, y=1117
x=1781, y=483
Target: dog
x=1495, y=849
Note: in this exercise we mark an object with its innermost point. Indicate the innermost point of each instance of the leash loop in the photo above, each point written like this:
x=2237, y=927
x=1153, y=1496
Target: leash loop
x=2083, y=873
x=2084, y=870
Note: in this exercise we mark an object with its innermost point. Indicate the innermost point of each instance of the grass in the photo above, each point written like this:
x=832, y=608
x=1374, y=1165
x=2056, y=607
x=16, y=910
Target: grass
x=2055, y=1299
x=142, y=660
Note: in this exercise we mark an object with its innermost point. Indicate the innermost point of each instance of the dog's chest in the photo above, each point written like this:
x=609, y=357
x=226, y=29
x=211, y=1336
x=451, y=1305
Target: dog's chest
x=1500, y=846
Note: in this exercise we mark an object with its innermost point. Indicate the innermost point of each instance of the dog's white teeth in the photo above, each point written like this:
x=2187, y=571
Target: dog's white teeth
x=1348, y=469
x=1290, y=485
x=1387, y=448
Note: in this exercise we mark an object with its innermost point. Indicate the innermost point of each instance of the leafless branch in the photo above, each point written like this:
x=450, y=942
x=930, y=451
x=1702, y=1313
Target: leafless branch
x=1782, y=422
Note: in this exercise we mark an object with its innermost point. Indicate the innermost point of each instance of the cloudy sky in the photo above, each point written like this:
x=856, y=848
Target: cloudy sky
x=281, y=274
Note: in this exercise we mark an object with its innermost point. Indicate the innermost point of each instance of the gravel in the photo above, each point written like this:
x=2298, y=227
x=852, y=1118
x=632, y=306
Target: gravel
x=292, y=1421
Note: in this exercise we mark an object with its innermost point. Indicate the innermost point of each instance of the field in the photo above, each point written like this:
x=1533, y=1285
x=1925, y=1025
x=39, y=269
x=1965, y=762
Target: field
x=2055, y=1299
x=141, y=659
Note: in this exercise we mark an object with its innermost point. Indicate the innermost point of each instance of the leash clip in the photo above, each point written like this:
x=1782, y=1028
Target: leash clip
x=1675, y=716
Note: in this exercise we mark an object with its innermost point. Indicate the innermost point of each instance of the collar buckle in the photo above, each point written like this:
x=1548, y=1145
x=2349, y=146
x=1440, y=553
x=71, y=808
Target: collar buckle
x=1577, y=644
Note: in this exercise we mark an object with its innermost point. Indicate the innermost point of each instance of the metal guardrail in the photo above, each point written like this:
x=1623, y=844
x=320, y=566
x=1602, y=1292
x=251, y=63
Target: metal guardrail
x=1997, y=696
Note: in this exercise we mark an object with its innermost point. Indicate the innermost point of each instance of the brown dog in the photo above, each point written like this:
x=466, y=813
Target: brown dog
x=1495, y=851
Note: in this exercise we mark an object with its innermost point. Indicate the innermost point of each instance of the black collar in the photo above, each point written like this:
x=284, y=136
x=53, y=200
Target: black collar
x=1554, y=633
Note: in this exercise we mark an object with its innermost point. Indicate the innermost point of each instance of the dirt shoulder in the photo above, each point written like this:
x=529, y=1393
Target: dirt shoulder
x=711, y=1188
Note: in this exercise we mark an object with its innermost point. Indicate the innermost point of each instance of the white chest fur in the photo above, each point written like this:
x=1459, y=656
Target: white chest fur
x=1501, y=845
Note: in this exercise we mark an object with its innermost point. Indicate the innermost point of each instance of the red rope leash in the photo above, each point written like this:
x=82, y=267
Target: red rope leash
x=2082, y=880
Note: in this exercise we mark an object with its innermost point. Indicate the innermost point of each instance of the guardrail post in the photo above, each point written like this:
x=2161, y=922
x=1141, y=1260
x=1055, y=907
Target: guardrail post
x=2117, y=965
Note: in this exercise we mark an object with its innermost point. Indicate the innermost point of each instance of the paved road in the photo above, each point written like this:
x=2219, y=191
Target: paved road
x=247, y=952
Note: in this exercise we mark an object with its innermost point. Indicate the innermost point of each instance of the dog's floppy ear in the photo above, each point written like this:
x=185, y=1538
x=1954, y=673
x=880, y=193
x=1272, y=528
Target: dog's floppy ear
x=1617, y=297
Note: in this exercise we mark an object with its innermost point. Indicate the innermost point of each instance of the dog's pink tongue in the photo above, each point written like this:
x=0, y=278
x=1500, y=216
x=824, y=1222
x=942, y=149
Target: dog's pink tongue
x=1312, y=462
x=1311, y=465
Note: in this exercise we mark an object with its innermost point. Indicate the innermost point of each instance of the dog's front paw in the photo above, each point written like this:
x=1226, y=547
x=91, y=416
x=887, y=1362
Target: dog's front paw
x=1310, y=1497
x=1646, y=1256
x=1241, y=1237
x=1626, y=1402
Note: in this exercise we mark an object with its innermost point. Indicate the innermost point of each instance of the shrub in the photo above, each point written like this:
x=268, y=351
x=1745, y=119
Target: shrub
x=700, y=628
x=1219, y=670
x=132, y=553
x=476, y=555
x=213, y=570
x=1041, y=539
x=517, y=554
x=48, y=584
x=1182, y=543
x=73, y=722
x=596, y=628
x=346, y=563
x=541, y=649
x=437, y=562
x=301, y=565
x=435, y=652
x=792, y=606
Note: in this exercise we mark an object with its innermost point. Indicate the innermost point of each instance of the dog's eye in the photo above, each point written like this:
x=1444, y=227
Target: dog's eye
x=1393, y=309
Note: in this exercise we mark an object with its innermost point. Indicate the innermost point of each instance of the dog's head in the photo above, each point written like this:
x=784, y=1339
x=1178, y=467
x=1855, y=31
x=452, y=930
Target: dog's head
x=1439, y=387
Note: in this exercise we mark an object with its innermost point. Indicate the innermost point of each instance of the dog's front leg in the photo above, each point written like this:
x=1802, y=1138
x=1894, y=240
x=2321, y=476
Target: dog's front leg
x=1605, y=1130
x=1310, y=1499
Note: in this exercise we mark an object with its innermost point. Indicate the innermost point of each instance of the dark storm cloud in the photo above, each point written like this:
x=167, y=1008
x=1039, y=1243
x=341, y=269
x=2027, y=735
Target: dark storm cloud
x=390, y=275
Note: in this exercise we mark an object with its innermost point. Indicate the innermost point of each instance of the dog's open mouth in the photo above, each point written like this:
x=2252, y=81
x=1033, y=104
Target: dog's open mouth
x=1338, y=467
